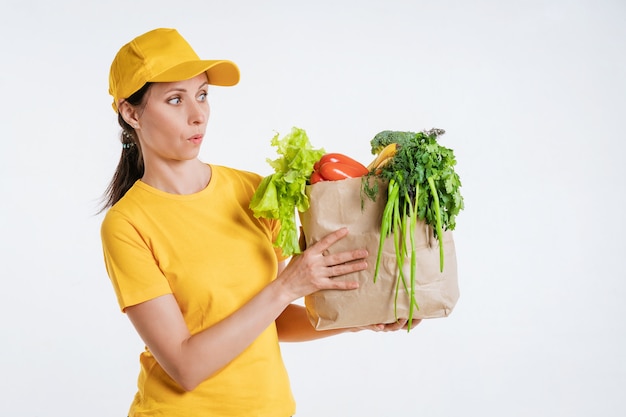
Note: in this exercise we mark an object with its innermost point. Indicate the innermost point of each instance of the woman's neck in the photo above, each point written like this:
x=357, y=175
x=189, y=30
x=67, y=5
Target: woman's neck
x=180, y=177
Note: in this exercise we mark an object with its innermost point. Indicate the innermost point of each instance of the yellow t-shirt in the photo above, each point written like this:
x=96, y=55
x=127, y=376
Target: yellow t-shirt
x=210, y=251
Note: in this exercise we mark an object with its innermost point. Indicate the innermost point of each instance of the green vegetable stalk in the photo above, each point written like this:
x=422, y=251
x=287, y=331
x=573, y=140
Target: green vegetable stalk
x=281, y=193
x=422, y=185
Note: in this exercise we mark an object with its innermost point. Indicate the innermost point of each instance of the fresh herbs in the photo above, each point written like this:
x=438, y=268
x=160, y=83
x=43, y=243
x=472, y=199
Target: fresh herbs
x=422, y=184
x=281, y=193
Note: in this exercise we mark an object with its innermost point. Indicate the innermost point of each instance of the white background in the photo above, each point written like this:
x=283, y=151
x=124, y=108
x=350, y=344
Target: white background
x=532, y=96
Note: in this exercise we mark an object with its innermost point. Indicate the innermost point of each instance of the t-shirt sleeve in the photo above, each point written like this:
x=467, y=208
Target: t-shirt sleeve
x=274, y=226
x=130, y=263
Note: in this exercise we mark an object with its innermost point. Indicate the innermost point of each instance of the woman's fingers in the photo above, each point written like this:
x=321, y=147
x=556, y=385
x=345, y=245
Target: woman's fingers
x=413, y=324
x=344, y=257
x=400, y=324
x=322, y=246
x=316, y=269
x=354, y=263
x=341, y=263
x=327, y=241
x=334, y=284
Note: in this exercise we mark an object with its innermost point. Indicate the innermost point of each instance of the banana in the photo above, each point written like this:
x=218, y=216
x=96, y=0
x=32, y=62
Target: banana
x=377, y=169
x=383, y=157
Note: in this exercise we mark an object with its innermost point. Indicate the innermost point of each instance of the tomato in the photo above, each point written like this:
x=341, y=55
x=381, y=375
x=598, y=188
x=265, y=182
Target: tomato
x=335, y=171
x=337, y=157
x=316, y=177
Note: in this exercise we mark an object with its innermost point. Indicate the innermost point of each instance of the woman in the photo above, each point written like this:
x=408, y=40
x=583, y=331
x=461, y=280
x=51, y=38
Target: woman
x=192, y=268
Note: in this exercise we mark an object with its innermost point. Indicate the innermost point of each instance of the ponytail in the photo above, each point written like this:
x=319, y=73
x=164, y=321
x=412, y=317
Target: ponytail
x=130, y=167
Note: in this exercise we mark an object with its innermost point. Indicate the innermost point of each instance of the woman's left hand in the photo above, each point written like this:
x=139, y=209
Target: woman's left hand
x=401, y=324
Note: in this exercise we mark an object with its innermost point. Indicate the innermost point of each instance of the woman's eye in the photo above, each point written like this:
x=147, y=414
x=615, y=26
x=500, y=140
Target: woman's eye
x=202, y=97
x=174, y=100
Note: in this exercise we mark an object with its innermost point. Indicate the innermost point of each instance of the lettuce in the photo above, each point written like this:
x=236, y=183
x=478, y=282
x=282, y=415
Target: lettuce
x=280, y=194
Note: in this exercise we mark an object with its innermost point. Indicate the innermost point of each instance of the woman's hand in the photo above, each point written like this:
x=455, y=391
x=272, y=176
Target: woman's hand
x=401, y=324
x=315, y=269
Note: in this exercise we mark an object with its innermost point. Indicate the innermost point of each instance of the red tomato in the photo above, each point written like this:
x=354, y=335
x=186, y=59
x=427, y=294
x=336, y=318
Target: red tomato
x=335, y=171
x=315, y=177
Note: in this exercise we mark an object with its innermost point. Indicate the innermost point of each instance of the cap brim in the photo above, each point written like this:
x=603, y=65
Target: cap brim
x=220, y=72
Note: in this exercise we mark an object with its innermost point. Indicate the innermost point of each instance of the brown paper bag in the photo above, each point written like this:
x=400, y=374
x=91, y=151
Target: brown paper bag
x=335, y=204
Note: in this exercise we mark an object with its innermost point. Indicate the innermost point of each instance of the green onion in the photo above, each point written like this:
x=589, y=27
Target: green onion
x=433, y=190
x=418, y=166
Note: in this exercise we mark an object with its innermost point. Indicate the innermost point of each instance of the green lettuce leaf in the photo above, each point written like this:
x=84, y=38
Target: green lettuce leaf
x=280, y=194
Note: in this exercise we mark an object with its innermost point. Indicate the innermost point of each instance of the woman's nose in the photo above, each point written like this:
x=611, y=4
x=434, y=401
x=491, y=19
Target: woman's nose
x=198, y=113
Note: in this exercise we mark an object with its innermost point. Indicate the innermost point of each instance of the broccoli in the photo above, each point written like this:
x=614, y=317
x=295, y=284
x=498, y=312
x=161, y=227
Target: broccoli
x=386, y=137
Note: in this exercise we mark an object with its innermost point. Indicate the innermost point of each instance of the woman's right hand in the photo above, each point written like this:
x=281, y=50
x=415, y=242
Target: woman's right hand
x=315, y=269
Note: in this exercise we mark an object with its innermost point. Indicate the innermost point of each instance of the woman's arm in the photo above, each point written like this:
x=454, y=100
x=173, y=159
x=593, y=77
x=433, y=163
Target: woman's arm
x=293, y=325
x=190, y=359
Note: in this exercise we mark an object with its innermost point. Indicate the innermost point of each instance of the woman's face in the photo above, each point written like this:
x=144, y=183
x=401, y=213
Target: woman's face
x=173, y=120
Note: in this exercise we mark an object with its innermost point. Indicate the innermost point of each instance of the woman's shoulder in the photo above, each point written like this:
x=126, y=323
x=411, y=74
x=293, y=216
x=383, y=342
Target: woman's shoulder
x=135, y=200
x=236, y=174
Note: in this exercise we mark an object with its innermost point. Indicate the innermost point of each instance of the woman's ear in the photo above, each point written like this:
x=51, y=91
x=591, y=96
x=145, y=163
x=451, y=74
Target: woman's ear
x=129, y=113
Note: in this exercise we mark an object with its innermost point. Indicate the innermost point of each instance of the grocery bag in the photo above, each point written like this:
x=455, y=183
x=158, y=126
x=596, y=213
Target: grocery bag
x=337, y=204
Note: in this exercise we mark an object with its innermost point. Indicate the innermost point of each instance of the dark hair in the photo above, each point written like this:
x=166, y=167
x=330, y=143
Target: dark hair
x=130, y=167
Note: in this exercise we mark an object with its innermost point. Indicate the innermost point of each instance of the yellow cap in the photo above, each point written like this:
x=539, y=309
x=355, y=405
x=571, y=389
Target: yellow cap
x=163, y=55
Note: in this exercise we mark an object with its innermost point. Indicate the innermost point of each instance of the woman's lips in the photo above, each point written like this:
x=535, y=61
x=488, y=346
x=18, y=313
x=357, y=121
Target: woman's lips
x=196, y=139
